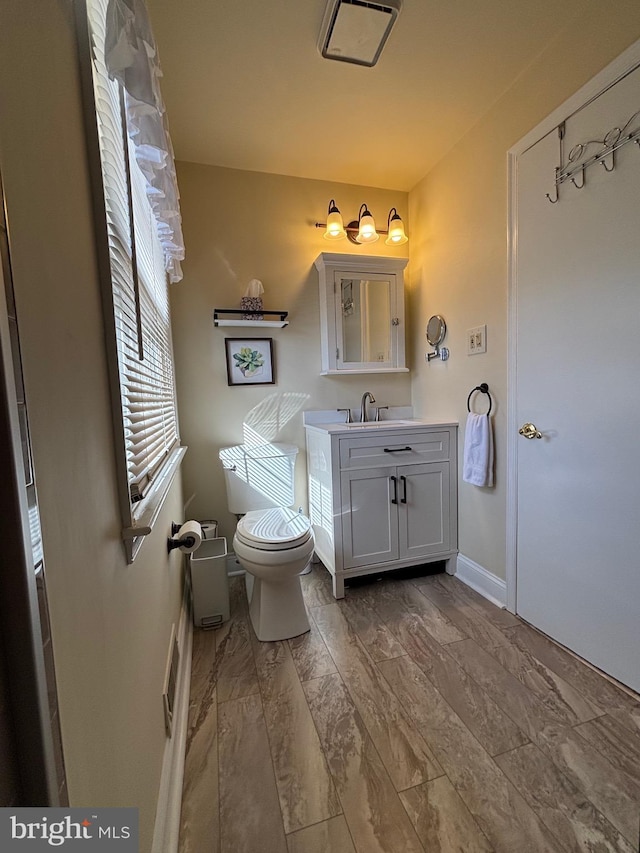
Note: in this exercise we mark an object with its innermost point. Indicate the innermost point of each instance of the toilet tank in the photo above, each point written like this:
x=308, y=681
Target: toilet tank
x=258, y=477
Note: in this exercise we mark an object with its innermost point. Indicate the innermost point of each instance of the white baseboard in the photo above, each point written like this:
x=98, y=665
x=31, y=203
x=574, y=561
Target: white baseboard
x=166, y=832
x=486, y=583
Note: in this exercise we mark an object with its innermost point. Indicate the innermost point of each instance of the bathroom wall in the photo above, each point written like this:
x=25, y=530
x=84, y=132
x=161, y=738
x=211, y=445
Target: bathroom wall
x=111, y=622
x=241, y=225
x=458, y=259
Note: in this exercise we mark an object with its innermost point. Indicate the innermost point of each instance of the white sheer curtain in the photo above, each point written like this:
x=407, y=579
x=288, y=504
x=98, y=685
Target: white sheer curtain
x=131, y=57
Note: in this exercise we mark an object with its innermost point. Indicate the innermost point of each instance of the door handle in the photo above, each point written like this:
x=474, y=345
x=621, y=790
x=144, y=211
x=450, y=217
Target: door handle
x=396, y=449
x=403, y=480
x=530, y=431
x=394, y=499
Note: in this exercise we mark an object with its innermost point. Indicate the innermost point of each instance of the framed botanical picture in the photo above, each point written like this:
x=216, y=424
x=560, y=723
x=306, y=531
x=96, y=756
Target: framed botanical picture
x=250, y=361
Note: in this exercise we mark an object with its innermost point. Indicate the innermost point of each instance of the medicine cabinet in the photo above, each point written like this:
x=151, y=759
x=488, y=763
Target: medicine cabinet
x=361, y=314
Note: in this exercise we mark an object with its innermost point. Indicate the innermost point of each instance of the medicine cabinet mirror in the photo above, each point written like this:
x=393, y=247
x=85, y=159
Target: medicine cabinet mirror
x=361, y=314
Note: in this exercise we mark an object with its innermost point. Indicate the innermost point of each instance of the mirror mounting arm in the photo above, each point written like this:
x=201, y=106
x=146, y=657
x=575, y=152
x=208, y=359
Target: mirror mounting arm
x=440, y=352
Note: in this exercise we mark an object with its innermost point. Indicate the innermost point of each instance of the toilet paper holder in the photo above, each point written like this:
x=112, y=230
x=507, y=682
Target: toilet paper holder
x=172, y=542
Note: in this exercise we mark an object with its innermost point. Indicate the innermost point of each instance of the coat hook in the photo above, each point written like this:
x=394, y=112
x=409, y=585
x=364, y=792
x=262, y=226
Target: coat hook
x=613, y=162
x=574, y=182
x=557, y=198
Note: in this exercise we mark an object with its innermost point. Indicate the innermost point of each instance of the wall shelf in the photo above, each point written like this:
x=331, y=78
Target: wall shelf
x=237, y=317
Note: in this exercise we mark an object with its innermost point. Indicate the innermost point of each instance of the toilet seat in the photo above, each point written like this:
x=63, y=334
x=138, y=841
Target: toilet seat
x=278, y=529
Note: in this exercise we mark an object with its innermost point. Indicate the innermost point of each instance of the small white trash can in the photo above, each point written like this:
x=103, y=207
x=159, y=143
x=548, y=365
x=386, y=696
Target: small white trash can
x=209, y=528
x=209, y=583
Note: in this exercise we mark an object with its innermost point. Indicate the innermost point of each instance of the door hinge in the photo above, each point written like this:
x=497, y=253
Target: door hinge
x=337, y=354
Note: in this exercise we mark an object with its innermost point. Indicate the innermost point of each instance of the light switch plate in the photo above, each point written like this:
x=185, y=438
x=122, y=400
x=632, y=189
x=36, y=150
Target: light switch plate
x=477, y=340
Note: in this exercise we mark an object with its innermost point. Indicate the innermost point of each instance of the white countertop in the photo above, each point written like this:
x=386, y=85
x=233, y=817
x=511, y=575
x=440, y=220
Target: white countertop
x=370, y=427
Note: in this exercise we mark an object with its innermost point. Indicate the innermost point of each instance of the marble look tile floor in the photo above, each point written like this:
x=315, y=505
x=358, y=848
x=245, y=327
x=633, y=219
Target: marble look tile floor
x=415, y=717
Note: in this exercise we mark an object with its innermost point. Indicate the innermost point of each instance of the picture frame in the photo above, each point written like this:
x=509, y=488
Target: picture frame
x=250, y=361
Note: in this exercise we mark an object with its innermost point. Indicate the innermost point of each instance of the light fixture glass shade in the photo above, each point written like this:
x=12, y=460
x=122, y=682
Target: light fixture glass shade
x=366, y=227
x=396, y=235
x=335, y=226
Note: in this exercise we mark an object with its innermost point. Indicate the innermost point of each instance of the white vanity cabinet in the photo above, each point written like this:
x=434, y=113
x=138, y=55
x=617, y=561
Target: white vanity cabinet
x=382, y=497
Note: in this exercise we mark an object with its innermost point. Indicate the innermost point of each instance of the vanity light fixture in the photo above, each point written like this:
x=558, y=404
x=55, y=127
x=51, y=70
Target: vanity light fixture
x=363, y=229
x=395, y=229
x=366, y=226
x=335, y=227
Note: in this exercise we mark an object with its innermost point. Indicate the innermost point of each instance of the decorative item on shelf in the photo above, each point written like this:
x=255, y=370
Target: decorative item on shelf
x=249, y=361
x=363, y=229
x=252, y=300
x=436, y=330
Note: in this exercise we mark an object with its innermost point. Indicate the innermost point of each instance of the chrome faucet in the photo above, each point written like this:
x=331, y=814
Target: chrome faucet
x=363, y=405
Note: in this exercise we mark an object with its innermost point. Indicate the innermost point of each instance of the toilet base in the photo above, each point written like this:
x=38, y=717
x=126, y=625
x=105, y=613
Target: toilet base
x=277, y=609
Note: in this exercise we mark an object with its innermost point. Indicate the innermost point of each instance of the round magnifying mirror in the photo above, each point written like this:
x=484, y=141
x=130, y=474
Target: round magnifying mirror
x=436, y=330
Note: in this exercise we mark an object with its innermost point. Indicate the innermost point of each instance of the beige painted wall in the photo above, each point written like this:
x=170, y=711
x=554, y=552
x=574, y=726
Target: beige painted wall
x=458, y=257
x=111, y=622
x=238, y=226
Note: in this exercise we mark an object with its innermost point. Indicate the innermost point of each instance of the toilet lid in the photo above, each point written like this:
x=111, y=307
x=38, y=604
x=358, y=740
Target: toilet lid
x=274, y=529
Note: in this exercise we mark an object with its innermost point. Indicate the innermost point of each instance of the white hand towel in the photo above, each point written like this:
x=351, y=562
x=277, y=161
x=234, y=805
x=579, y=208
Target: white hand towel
x=477, y=465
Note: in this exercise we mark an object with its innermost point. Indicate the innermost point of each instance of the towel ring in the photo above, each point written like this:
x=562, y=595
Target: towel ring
x=484, y=389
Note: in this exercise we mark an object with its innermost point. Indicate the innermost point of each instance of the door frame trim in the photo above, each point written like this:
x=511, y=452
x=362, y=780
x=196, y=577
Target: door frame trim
x=609, y=76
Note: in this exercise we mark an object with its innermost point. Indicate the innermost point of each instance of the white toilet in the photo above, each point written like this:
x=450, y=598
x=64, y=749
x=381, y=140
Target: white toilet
x=273, y=543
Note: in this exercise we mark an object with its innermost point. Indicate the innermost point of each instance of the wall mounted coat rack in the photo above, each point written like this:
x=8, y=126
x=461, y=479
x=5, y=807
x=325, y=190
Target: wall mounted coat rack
x=593, y=151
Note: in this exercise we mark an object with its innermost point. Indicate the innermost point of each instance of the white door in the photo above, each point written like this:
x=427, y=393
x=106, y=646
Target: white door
x=578, y=382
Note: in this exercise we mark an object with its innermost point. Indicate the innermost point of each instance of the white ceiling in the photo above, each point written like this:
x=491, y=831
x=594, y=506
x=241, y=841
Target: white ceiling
x=245, y=85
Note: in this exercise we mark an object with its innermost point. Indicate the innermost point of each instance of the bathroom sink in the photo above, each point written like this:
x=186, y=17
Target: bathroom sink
x=378, y=424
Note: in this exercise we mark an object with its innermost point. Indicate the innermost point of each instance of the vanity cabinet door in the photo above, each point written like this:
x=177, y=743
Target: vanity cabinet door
x=423, y=509
x=370, y=518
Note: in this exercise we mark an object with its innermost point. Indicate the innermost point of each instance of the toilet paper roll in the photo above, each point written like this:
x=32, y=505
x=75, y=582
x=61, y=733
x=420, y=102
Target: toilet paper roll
x=193, y=531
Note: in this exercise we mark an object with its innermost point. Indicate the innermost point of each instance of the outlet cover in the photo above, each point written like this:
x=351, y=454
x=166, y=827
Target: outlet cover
x=477, y=340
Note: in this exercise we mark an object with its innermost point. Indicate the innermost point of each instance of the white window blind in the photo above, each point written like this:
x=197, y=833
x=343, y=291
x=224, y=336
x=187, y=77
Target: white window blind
x=139, y=284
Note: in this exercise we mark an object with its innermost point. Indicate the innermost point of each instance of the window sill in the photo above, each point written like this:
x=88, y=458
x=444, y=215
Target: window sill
x=146, y=512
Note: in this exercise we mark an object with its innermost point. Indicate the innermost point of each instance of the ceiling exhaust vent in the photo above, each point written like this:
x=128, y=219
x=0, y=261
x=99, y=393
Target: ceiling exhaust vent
x=356, y=30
